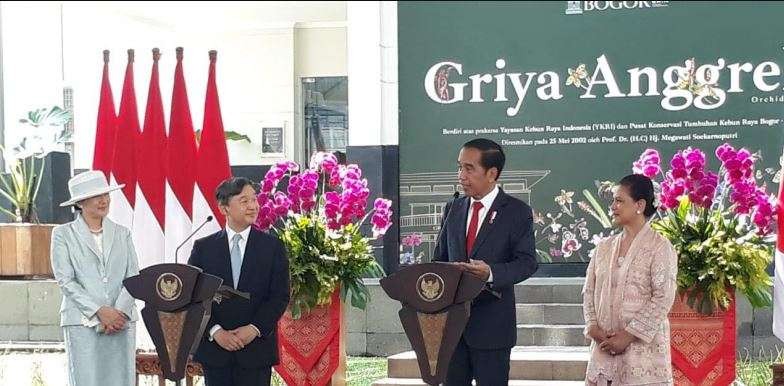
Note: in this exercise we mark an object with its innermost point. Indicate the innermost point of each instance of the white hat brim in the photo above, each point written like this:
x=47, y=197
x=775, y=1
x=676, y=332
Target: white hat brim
x=94, y=193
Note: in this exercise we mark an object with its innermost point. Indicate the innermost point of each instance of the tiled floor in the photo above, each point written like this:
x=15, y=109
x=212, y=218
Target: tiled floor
x=44, y=369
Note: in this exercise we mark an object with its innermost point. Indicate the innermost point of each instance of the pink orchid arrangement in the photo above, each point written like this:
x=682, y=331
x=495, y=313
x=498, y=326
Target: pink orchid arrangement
x=721, y=224
x=706, y=189
x=412, y=240
x=318, y=217
x=342, y=205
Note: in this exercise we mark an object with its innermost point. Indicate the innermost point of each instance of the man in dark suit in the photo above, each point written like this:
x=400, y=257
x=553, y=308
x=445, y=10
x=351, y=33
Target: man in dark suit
x=240, y=344
x=489, y=234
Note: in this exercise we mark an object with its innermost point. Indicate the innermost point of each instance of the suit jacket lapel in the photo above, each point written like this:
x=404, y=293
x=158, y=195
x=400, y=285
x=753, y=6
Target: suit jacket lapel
x=487, y=227
x=108, y=237
x=458, y=222
x=224, y=257
x=87, y=237
x=248, y=254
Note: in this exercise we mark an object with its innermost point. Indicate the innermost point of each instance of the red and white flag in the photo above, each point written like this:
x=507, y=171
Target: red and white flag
x=149, y=212
x=778, y=279
x=181, y=162
x=212, y=159
x=106, y=127
x=124, y=159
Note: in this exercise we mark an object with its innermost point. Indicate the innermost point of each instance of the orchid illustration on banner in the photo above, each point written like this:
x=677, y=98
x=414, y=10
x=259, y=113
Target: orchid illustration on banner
x=564, y=235
x=318, y=218
x=721, y=224
x=412, y=240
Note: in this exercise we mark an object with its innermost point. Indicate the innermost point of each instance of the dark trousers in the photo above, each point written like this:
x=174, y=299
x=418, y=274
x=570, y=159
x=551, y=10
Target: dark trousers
x=237, y=376
x=488, y=367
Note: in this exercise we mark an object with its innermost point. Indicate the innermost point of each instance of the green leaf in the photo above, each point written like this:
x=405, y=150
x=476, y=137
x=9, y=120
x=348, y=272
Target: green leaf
x=544, y=256
x=683, y=207
x=55, y=116
x=235, y=136
x=599, y=209
x=229, y=135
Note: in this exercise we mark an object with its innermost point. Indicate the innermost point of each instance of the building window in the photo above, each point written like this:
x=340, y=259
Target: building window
x=326, y=114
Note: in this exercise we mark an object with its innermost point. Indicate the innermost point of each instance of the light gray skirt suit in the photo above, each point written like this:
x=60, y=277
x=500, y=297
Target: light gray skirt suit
x=90, y=274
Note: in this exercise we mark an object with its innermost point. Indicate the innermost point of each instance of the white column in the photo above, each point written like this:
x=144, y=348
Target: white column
x=364, y=73
x=372, y=73
x=389, y=84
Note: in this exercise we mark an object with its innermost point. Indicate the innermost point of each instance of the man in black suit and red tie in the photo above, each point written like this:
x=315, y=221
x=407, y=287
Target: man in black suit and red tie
x=240, y=343
x=489, y=234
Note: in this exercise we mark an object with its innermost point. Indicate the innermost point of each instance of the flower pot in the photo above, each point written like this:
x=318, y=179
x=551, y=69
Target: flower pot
x=702, y=346
x=25, y=249
x=312, y=348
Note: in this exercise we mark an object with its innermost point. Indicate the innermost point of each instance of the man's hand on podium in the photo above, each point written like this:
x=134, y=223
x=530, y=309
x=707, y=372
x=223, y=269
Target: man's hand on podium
x=111, y=319
x=477, y=268
x=228, y=340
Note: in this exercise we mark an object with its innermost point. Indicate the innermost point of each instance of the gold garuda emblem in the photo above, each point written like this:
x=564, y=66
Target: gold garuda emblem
x=169, y=286
x=430, y=287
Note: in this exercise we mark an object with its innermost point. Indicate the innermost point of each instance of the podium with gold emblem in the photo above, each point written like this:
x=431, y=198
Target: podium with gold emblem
x=178, y=302
x=436, y=299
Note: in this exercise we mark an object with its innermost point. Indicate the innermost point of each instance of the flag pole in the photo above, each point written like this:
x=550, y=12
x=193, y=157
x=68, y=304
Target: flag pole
x=178, y=51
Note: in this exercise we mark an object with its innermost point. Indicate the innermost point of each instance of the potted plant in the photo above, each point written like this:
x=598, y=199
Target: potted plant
x=721, y=225
x=24, y=244
x=319, y=218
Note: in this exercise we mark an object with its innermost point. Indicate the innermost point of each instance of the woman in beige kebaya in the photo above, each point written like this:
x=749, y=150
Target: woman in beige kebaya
x=629, y=288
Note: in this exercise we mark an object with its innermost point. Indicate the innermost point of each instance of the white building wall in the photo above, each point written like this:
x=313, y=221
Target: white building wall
x=263, y=50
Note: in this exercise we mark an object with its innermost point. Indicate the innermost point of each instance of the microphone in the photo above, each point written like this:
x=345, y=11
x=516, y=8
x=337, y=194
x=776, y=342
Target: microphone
x=446, y=218
x=209, y=218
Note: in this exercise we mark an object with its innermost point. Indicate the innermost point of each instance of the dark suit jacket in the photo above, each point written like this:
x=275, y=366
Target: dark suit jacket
x=265, y=275
x=507, y=246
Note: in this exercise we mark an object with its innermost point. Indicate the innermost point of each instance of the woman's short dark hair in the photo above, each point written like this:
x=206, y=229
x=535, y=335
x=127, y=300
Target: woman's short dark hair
x=231, y=187
x=492, y=154
x=640, y=188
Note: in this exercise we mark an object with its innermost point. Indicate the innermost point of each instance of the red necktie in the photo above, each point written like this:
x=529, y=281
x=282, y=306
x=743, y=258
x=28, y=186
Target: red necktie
x=471, y=236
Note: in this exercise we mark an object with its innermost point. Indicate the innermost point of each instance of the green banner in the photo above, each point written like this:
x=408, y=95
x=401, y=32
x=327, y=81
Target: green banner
x=575, y=91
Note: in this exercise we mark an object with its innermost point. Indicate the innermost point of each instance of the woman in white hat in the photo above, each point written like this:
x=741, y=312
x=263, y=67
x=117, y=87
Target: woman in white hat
x=90, y=258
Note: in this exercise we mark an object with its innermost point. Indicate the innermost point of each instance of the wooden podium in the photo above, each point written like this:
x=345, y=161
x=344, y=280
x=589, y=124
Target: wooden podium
x=178, y=303
x=436, y=299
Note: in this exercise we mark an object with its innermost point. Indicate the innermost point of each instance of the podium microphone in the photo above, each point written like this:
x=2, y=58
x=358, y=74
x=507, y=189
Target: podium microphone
x=443, y=225
x=209, y=218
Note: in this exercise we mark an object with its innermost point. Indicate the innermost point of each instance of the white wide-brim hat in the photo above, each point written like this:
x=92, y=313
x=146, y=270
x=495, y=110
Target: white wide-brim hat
x=88, y=184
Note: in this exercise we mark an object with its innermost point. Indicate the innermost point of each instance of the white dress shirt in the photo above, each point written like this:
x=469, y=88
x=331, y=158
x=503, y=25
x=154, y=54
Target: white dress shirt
x=242, y=244
x=487, y=202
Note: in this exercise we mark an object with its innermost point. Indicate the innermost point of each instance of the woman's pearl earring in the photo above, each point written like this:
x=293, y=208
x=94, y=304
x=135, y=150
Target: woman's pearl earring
x=638, y=212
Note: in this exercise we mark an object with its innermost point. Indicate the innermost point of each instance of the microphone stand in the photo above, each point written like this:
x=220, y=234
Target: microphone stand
x=443, y=225
x=209, y=218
